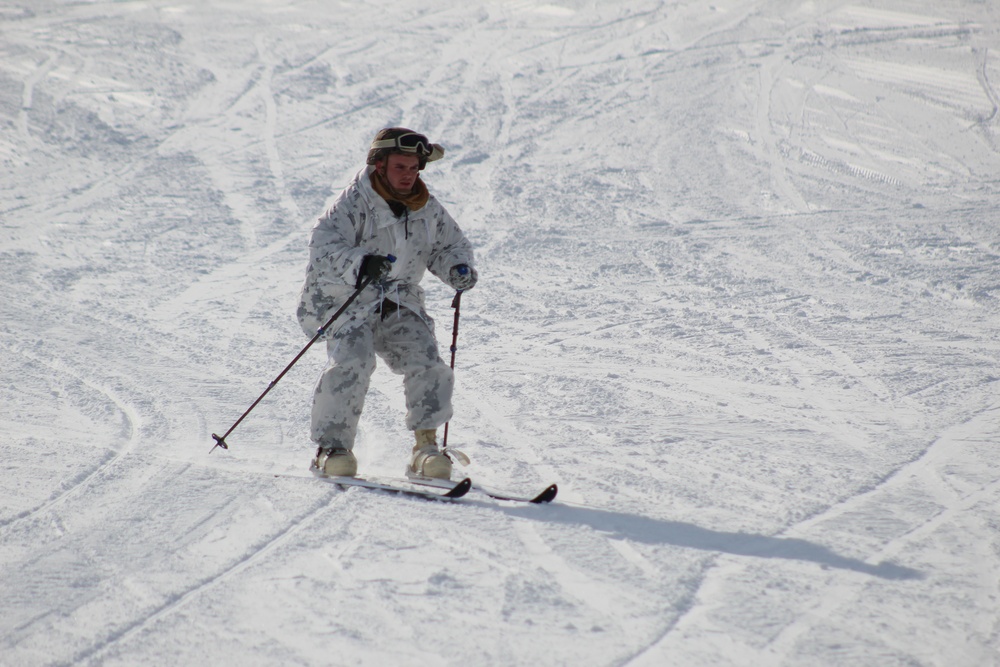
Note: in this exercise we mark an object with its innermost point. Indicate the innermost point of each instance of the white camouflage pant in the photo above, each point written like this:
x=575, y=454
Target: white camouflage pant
x=408, y=346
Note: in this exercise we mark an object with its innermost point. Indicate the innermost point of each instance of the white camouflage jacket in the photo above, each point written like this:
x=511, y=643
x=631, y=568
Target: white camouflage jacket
x=361, y=223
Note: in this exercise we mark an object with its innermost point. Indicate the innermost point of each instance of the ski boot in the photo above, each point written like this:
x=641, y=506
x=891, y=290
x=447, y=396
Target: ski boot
x=336, y=462
x=428, y=460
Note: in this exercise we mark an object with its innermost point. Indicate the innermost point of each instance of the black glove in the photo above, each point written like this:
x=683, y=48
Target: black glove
x=463, y=277
x=375, y=267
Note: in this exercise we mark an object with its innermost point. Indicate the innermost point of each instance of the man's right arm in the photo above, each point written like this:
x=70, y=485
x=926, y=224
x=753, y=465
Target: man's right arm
x=333, y=247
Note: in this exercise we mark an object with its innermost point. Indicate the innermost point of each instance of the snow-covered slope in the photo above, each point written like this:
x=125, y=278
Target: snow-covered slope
x=739, y=297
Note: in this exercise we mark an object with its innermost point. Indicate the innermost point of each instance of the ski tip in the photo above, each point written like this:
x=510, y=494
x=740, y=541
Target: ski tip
x=460, y=489
x=546, y=496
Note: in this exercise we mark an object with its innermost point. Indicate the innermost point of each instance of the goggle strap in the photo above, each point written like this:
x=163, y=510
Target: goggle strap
x=385, y=143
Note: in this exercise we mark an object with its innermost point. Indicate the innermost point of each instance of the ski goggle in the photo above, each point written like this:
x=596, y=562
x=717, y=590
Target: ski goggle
x=411, y=142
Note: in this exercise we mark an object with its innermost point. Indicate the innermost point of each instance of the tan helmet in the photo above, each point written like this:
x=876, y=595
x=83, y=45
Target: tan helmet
x=407, y=142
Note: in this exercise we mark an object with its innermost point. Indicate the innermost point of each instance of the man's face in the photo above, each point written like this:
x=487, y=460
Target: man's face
x=401, y=171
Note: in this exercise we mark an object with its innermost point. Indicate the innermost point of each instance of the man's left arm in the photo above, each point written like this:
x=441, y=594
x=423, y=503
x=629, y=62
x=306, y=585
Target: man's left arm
x=451, y=258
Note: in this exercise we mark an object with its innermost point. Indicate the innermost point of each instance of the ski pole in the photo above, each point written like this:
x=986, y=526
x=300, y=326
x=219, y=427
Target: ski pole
x=455, y=303
x=220, y=441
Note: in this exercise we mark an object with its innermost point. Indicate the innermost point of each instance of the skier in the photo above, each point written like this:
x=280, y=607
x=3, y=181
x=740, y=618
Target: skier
x=386, y=227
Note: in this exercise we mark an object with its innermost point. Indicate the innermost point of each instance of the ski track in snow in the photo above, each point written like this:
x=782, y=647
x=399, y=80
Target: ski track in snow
x=840, y=591
x=98, y=653
x=88, y=477
x=739, y=298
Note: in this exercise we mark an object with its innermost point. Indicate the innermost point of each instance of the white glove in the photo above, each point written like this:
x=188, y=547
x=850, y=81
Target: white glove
x=462, y=277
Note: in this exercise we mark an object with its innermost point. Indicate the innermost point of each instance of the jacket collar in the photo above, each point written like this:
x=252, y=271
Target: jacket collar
x=375, y=200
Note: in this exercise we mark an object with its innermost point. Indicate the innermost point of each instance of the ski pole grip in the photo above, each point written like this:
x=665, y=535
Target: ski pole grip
x=391, y=258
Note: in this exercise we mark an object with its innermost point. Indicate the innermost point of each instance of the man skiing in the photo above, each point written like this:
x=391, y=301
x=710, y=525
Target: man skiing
x=385, y=228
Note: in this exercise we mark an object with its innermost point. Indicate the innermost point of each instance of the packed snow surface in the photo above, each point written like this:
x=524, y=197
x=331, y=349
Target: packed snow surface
x=739, y=297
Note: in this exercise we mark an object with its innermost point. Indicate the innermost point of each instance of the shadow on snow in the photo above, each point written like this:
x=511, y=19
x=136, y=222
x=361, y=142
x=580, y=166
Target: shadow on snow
x=662, y=532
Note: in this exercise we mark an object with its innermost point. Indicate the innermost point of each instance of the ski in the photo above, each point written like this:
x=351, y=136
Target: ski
x=453, y=491
x=546, y=496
